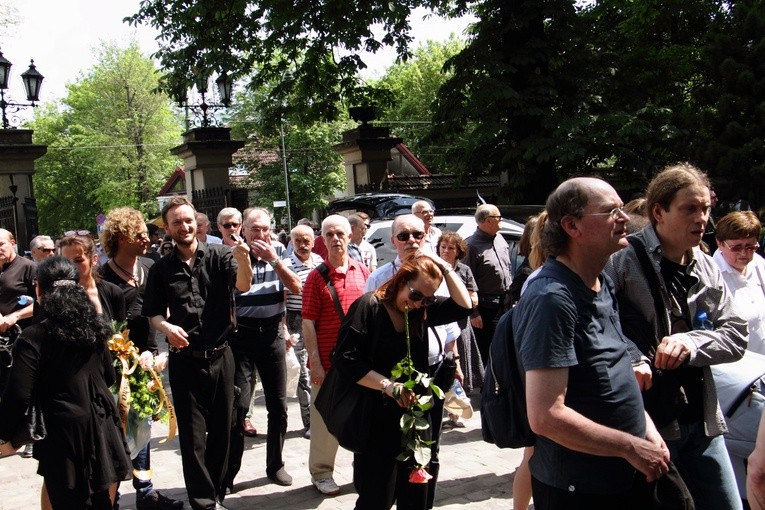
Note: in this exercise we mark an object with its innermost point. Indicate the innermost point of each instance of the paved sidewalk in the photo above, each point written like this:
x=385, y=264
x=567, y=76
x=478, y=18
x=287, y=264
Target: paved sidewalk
x=474, y=474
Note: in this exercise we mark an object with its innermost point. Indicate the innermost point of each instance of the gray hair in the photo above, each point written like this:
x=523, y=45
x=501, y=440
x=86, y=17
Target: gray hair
x=37, y=241
x=229, y=212
x=301, y=229
x=335, y=219
x=569, y=199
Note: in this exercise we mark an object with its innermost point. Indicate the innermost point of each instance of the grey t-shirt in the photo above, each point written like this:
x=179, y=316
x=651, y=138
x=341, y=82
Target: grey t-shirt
x=559, y=322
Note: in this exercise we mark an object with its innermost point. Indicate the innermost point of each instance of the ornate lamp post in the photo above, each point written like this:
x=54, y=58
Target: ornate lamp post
x=224, y=86
x=32, y=82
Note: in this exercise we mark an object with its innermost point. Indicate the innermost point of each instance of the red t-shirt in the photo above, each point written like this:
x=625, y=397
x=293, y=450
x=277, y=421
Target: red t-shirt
x=319, y=307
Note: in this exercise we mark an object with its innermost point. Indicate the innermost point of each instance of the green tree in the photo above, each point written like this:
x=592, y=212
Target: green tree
x=109, y=142
x=414, y=86
x=312, y=48
x=315, y=170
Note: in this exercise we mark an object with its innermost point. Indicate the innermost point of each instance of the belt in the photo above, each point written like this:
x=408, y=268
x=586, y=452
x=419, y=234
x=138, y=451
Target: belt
x=214, y=353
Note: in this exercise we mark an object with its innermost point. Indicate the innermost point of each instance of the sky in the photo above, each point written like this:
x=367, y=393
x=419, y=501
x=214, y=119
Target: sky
x=62, y=35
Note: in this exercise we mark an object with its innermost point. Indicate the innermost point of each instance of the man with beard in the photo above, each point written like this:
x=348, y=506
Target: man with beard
x=124, y=237
x=195, y=283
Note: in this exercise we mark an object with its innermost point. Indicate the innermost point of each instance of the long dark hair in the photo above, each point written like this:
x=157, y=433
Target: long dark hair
x=69, y=313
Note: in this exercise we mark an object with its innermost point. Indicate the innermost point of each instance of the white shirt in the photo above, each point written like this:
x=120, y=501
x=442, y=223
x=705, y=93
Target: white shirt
x=748, y=292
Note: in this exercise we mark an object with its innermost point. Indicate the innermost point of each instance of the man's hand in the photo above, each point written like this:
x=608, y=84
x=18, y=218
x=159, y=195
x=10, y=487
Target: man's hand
x=263, y=250
x=643, y=375
x=317, y=374
x=649, y=458
x=241, y=251
x=176, y=335
x=670, y=354
x=477, y=322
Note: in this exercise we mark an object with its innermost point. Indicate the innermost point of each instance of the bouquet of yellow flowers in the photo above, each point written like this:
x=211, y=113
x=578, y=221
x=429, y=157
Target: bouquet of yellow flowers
x=140, y=390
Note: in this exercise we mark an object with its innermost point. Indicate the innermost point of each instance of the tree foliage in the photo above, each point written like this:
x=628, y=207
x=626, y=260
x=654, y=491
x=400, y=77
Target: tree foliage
x=311, y=48
x=108, y=140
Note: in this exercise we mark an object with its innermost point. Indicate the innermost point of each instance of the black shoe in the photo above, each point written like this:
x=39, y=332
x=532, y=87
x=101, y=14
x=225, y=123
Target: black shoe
x=281, y=477
x=157, y=501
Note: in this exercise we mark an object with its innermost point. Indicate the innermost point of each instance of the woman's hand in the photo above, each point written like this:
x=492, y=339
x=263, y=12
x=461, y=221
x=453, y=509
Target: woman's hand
x=403, y=396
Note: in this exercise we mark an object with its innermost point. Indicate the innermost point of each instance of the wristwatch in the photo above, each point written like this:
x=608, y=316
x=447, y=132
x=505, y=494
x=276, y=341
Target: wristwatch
x=446, y=270
x=274, y=263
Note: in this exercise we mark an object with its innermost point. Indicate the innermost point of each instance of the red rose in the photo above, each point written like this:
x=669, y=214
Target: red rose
x=419, y=476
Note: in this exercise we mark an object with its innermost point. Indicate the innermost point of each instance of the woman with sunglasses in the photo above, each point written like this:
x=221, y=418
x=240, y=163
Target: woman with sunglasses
x=65, y=363
x=108, y=298
x=743, y=270
x=371, y=341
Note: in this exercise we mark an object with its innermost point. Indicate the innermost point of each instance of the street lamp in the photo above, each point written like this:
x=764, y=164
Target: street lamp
x=32, y=82
x=224, y=87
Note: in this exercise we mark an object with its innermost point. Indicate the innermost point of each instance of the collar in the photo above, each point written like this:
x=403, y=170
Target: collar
x=653, y=245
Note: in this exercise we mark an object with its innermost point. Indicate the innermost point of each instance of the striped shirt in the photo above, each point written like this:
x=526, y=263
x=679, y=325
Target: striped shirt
x=265, y=299
x=295, y=301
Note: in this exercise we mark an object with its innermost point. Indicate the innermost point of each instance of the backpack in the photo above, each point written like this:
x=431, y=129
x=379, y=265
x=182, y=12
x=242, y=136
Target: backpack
x=504, y=420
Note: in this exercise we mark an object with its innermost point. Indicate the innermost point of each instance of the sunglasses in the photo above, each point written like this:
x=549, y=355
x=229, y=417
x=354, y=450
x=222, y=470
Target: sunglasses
x=78, y=233
x=417, y=296
x=47, y=250
x=404, y=236
x=738, y=248
x=230, y=225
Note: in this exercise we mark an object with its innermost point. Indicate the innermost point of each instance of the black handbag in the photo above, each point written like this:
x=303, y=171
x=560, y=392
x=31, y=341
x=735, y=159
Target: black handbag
x=346, y=409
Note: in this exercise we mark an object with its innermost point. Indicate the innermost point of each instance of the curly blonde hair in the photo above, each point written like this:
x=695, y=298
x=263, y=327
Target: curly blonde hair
x=124, y=221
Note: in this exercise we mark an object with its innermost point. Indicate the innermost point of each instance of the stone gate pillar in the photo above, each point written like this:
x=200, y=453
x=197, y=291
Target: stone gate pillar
x=206, y=154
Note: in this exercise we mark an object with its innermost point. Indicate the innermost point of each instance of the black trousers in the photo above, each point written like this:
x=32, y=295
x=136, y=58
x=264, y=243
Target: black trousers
x=62, y=498
x=203, y=394
x=265, y=351
x=490, y=317
x=547, y=497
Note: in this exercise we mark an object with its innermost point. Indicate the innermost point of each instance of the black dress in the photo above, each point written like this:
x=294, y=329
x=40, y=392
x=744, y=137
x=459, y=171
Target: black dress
x=84, y=449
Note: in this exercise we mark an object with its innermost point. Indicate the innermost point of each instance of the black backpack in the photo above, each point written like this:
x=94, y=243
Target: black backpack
x=504, y=420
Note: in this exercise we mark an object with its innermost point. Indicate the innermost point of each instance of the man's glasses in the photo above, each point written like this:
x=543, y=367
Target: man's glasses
x=262, y=230
x=47, y=250
x=427, y=212
x=496, y=217
x=404, y=236
x=615, y=213
x=78, y=233
x=738, y=248
x=230, y=225
x=417, y=296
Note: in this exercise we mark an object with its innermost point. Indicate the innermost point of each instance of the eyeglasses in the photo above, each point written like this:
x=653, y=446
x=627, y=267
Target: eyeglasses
x=78, y=233
x=427, y=212
x=262, y=230
x=417, y=296
x=615, y=213
x=404, y=236
x=738, y=248
x=230, y=225
x=47, y=250
x=498, y=218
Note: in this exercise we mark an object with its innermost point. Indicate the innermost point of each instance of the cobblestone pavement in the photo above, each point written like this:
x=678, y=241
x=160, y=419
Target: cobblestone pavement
x=474, y=474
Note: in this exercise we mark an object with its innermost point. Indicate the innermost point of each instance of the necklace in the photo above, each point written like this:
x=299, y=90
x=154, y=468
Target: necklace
x=130, y=275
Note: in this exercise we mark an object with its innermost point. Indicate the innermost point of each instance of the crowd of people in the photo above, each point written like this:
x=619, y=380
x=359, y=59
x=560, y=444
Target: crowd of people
x=616, y=336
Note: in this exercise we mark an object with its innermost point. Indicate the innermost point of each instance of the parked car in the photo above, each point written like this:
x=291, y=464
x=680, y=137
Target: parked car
x=379, y=235
x=376, y=205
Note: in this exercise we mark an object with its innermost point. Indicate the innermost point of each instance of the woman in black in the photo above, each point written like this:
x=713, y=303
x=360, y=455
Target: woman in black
x=371, y=341
x=64, y=360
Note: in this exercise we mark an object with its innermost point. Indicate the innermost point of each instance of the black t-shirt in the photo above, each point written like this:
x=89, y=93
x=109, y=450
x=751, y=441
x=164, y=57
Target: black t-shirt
x=137, y=324
x=17, y=279
x=561, y=323
x=678, y=281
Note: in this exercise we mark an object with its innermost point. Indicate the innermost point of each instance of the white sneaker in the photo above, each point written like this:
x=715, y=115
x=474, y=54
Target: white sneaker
x=326, y=486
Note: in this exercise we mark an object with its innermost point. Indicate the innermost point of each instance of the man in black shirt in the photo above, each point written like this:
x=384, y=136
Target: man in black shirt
x=125, y=239
x=195, y=283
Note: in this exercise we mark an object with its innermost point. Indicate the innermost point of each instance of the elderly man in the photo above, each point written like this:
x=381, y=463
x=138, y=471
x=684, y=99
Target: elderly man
x=596, y=446
x=321, y=324
x=203, y=227
x=358, y=230
x=488, y=257
x=41, y=247
x=686, y=321
x=257, y=344
x=302, y=260
x=423, y=210
x=230, y=223
x=194, y=284
x=407, y=236
x=125, y=239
